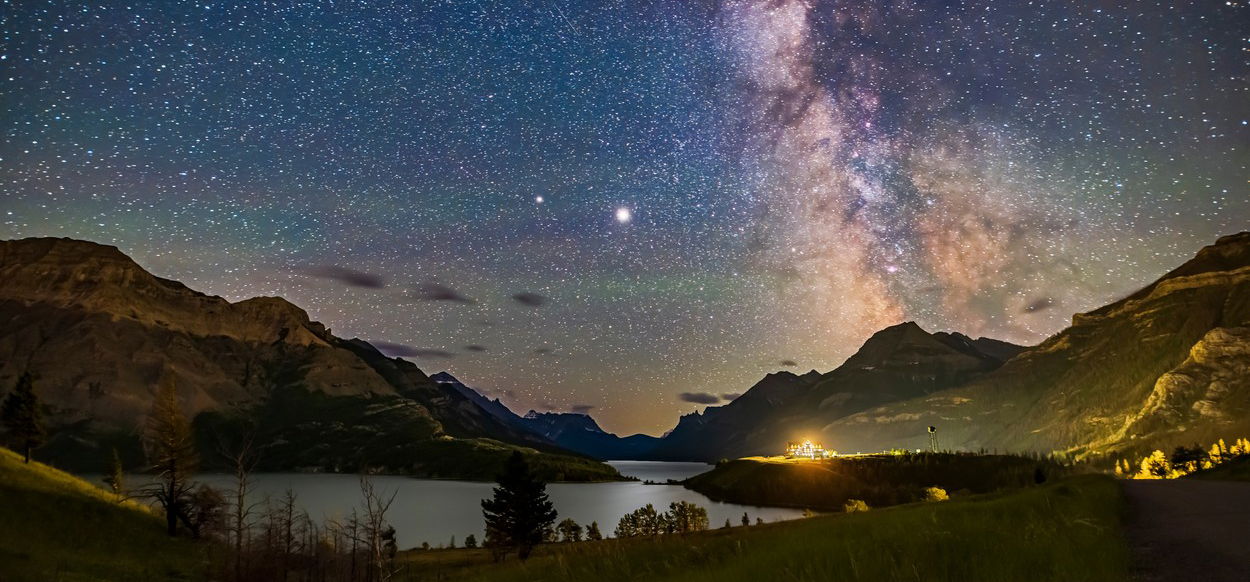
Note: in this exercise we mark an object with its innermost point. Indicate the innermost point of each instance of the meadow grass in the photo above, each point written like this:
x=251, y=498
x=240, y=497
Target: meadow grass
x=56, y=527
x=1069, y=530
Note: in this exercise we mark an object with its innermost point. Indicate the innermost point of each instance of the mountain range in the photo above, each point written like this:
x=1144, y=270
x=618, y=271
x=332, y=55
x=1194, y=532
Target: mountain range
x=98, y=333
x=1167, y=365
x=573, y=431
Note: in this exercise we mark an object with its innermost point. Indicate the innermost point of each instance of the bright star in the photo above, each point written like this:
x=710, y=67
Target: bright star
x=623, y=215
x=538, y=199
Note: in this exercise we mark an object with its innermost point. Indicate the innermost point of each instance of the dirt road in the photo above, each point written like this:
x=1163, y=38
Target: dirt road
x=1189, y=530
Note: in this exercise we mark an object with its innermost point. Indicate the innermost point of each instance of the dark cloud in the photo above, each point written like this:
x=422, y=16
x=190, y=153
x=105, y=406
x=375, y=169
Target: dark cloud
x=730, y=396
x=474, y=348
x=431, y=291
x=789, y=363
x=1040, y=304
x=698, y=397
x=429, y=353
x=404, y=351
x=530, y=299
x=349, y=277
x=581, y=408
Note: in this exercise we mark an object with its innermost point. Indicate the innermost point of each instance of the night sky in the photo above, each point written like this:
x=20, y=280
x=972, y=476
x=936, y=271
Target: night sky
x=634, y=208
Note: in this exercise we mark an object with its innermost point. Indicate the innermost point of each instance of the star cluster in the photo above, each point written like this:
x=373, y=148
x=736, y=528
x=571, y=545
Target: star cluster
x=634, y=208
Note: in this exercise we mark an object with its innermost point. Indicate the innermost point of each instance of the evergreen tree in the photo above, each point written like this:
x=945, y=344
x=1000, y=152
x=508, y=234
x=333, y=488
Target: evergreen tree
x=592, y=531
x=519, y=511
x=114, y=477
x=470, y=541
x=171, y=452
x=20, y=415
x=745, y=520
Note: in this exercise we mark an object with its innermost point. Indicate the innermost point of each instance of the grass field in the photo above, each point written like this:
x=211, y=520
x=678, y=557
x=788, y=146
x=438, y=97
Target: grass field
x=1068, y=530
x=55, y=527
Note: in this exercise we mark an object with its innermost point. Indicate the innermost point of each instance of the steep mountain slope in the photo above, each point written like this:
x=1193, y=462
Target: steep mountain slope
x=99, y=333
x=1166, y=365
x=572, y=431
x=896, y=363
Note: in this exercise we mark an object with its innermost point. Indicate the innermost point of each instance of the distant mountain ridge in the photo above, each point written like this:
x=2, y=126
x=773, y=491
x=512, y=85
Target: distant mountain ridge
x=896, y=363
x=573, y=431
x=99, y=332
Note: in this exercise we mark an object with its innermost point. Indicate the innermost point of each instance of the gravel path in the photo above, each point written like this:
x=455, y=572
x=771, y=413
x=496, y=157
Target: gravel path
x=1189, y=530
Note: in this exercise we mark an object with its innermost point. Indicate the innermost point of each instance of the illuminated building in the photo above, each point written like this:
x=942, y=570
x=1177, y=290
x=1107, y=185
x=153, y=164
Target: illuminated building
x=806, y=450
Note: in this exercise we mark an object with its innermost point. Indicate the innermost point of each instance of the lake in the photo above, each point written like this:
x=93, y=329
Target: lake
x=433, y=511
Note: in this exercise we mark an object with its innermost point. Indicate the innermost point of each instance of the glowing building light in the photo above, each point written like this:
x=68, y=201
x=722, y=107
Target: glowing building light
x=806, y=450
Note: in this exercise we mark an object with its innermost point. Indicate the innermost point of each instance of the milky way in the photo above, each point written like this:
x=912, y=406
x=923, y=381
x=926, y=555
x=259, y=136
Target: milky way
x=634, y=208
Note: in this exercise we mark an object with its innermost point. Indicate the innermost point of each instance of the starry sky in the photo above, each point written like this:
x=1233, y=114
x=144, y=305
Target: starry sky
x=634, y=208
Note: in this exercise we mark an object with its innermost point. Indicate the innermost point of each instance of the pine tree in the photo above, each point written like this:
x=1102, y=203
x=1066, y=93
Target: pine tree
x=171, y=452
x=592, y=531
x=470, y=541
x=20, y=415
x=745, y=520
x=519, y=511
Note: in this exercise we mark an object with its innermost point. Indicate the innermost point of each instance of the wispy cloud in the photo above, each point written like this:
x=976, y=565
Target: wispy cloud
x=698, y=397
x=349, y=277
x=431, y=291
x=529, y=299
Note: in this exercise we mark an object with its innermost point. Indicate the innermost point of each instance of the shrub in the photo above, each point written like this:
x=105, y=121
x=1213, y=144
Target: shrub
x=854, y=505
x=935, y=494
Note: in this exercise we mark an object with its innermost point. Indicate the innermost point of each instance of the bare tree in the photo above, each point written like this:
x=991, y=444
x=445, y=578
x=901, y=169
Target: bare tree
x=242, y=459
x=379, y=537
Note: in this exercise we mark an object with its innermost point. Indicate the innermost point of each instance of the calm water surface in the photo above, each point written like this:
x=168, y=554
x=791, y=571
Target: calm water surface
x=434, y=511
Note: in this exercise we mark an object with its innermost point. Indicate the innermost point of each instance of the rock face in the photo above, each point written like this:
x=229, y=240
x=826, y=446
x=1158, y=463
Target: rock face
x=1165, y=366
x=99, y=332
x=896, y=363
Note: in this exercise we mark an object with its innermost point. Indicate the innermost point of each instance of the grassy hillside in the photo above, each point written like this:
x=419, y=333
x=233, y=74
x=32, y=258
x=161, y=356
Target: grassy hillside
x=54, y=526
x=1063, y=531
x=879, y=480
